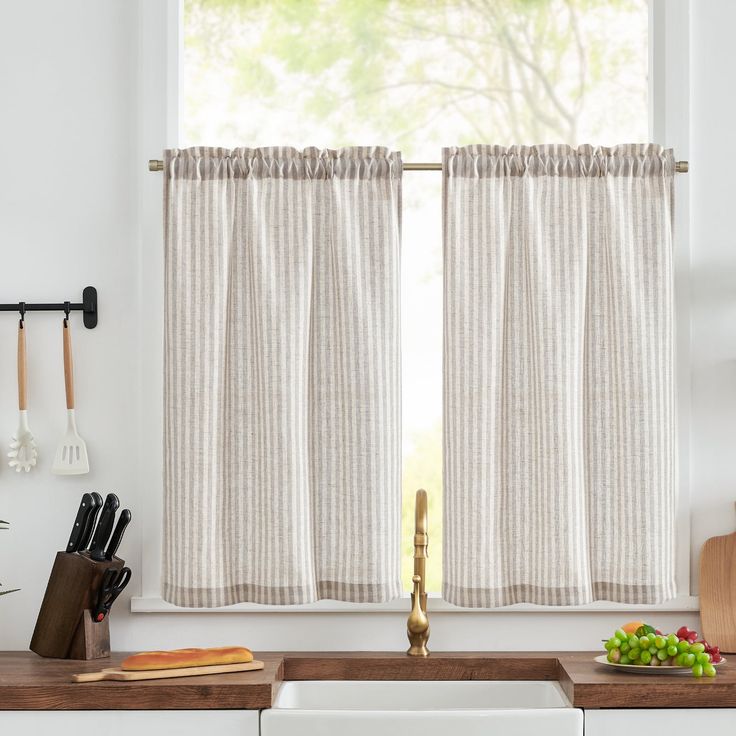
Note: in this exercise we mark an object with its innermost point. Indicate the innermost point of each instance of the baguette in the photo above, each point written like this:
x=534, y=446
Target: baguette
x=186, y=658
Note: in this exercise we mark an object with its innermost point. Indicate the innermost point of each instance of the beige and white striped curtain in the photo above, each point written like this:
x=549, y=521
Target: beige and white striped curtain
x=559, y=386
x=282, y=371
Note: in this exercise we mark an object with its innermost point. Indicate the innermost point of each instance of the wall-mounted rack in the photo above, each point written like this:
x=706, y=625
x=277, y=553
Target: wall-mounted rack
x=88, y=307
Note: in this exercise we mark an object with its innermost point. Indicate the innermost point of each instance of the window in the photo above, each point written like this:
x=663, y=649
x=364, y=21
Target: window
x=416, y=76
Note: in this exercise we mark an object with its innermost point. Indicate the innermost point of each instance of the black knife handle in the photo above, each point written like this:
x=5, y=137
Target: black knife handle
x=91, y=521
x=117, y=535
x=104, y=527
x=85, y=507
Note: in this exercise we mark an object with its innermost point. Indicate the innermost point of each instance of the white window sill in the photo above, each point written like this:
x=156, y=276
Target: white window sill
x=401, y=605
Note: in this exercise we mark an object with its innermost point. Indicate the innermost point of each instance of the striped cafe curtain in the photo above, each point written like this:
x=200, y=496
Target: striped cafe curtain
x=559, y=402
x=282, y=370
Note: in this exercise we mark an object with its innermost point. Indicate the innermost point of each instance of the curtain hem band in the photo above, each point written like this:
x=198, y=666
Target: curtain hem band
x=279, y=596
x=566, y=596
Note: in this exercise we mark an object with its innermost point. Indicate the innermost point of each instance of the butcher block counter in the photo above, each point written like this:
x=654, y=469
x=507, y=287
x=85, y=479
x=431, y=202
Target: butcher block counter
x=29, y=682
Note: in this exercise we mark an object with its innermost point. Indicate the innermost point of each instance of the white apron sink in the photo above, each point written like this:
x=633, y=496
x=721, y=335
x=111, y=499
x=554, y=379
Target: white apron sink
x=429, y=708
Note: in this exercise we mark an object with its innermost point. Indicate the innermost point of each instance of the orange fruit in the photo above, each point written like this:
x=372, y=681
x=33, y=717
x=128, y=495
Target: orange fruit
x=632, y=626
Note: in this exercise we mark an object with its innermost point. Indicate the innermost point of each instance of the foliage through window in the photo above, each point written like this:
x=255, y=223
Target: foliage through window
x=416, y=76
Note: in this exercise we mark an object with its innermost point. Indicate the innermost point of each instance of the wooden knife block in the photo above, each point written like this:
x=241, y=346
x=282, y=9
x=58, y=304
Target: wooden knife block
x=64, y=628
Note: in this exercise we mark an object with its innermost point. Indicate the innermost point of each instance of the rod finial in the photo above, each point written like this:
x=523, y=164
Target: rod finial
x=682, y=167
x=155, y=164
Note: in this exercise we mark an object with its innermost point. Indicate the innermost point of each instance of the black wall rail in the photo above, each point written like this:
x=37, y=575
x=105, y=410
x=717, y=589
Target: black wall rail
x=88, y=307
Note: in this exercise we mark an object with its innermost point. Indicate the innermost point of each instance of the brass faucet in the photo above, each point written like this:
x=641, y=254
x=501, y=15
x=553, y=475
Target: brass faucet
x=417, y=627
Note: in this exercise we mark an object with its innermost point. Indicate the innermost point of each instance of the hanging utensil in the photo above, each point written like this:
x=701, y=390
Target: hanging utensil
x=23, y=453
x=71, y=454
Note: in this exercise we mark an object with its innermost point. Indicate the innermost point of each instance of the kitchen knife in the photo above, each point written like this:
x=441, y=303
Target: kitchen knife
x=91, y=521
x=86, y=507
x=117, y=535
x=104, y=527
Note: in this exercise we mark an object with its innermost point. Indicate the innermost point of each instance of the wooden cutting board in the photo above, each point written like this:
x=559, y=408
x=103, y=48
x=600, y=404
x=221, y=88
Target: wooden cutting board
x=113, y=673
x=718, y=592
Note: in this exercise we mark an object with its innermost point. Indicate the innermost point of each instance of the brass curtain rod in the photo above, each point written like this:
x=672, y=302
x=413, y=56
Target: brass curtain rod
x=681, y=167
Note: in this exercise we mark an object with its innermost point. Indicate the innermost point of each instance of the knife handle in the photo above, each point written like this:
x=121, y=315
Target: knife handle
x=91, y=521
x=80, y=523
x=117, y=535
x=104, y=527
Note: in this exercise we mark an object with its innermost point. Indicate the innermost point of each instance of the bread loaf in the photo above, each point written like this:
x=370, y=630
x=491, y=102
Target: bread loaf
x=186, y=658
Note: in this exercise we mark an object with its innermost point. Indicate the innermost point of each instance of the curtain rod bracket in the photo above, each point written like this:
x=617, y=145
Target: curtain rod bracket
x=88, y=307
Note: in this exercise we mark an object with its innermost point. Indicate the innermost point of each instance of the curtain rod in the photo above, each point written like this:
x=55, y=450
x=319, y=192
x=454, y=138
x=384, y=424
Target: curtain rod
x=681, y=167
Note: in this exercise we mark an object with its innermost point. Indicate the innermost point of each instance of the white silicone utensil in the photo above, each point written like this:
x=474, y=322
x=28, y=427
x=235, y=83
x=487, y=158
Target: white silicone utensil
x=71, y=454
x=23, y=453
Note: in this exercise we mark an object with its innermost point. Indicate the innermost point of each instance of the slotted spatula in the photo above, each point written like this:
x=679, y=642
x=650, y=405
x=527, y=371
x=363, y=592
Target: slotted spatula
x=71, y=454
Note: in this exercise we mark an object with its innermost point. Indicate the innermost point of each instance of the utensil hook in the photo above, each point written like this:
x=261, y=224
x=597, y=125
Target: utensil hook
x=67, y=309
x=22, y=310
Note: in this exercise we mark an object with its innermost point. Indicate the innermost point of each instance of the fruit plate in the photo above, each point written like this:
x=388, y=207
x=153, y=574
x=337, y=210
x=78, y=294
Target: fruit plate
x=646, y=669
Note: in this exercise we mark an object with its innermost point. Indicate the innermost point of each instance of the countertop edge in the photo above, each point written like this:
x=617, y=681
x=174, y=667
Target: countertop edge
x=28, y=682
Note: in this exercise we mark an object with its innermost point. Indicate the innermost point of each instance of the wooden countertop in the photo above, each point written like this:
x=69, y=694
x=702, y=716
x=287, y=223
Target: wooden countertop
x=29, y=682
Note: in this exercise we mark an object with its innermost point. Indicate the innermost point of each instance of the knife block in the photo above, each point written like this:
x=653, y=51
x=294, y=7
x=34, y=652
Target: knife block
x=64, y=627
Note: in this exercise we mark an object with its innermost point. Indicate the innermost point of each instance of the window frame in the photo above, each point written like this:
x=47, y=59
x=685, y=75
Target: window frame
x=159, y=114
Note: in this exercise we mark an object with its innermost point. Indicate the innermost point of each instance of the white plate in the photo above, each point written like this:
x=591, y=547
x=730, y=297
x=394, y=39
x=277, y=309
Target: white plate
x=646, y=669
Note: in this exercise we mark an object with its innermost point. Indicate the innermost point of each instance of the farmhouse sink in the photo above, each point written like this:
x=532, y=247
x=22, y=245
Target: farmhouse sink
x=429, y=708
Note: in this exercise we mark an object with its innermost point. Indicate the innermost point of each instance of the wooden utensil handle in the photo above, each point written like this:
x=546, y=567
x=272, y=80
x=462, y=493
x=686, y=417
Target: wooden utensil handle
x=22, y=398
x=89, y=677
x=68, y=367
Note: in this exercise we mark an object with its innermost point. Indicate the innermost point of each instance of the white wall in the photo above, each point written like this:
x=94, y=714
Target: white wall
x=75, y=139
x=713, y=271
x=67, y=219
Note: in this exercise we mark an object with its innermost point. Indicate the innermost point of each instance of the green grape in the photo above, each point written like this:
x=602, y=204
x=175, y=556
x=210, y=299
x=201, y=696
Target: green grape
x=645, y=656
x=625, y=647
x=683, y=646
x=660, y=642
x=633, y=641
x=709, y=670
x=689, y=659
x=698, y=670
x=621, y=635
x=697, y=647
x=634, y=653
x=644, y=642
x=672, y=640
x=672, y=650
x=614, y=655
x=609, y=645
x=662, y=655
x=615, y=642
x=702, y=658
x=680, y=659
x=625, y=659
x=653, y=649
